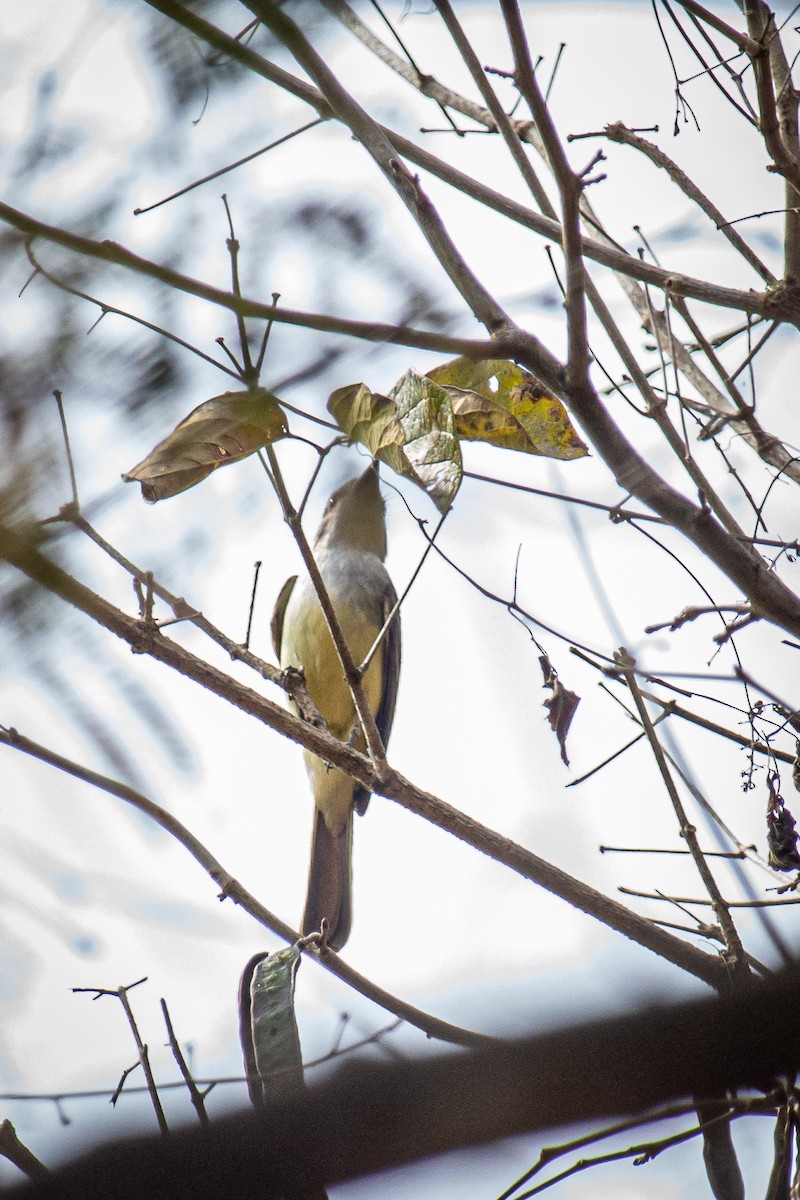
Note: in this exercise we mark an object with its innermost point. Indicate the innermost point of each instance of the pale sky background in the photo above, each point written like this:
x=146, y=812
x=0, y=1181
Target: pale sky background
x=93, y=895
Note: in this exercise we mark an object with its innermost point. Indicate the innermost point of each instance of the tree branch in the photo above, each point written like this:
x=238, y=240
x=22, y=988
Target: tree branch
x=781, y=303
x=231, y=889
x=116, y=255
x=145, y=638
x=385, y=155
x=736, y=957
x=618, y=132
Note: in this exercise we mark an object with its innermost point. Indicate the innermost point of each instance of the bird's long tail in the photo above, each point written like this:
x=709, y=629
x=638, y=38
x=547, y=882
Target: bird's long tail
x=330, y=881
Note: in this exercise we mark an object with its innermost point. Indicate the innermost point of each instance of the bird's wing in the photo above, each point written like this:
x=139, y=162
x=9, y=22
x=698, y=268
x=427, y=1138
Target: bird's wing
x=390, y=662
x=390, y=649
x=279, y=612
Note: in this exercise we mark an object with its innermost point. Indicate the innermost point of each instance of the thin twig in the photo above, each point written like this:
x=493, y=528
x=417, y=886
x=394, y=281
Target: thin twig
x=618, y=132
x=665, y=850
x=67, y=450
x=746, y=44
x=401, y=598
x=121, y=994
x=230, y=889
x=705, y=902
x=733, y=943
x=138, y=212
x=252, y=604
x=195, y=1095
x=17, y=1153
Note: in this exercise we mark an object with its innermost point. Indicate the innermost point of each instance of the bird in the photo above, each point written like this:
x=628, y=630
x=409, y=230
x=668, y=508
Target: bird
x=349, y=549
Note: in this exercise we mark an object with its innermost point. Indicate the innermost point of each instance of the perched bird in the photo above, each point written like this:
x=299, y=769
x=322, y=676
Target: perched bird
x=349, y=549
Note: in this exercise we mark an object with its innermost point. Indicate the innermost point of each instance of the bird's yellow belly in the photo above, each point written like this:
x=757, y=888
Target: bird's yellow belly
x=308, y=644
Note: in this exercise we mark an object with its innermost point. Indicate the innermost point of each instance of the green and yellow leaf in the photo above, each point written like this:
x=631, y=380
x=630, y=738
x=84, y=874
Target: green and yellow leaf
x=412, y=430
x=496, y=401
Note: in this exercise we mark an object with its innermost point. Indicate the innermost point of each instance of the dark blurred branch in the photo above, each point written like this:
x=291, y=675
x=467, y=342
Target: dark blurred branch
x=16, y=1152
x=372, y=1117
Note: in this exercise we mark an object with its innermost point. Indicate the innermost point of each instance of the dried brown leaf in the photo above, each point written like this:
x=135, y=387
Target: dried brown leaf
x=218, y=432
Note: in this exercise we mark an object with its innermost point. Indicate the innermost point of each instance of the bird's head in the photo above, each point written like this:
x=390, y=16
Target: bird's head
x=355, y=516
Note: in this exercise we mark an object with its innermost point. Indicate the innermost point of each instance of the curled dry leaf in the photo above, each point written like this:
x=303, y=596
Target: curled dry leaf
x=781, y=834
x=412, y=430
x=220, y=431
x=268, y=1028
x=560, y=706
x=496, y=401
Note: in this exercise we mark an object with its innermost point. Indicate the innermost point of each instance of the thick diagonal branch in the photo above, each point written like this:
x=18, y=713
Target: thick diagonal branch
x=146, y=638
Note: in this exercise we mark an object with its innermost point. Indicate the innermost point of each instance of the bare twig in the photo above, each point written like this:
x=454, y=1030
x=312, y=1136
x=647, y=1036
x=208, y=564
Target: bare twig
x=195, y=1095
x=706, y=903
x=735, y=950
x=17, y=1153
x=121, y=994
x=618, y=132
x=240, y=162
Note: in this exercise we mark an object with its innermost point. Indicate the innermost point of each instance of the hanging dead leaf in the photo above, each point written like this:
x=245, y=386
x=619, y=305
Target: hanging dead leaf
x=220, y=431
x=412, y=430
x=560, y=706
x=496, y=401
x=781, y=834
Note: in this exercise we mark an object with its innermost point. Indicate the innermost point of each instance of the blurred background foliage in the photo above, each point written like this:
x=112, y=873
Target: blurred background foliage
x=84, y=164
